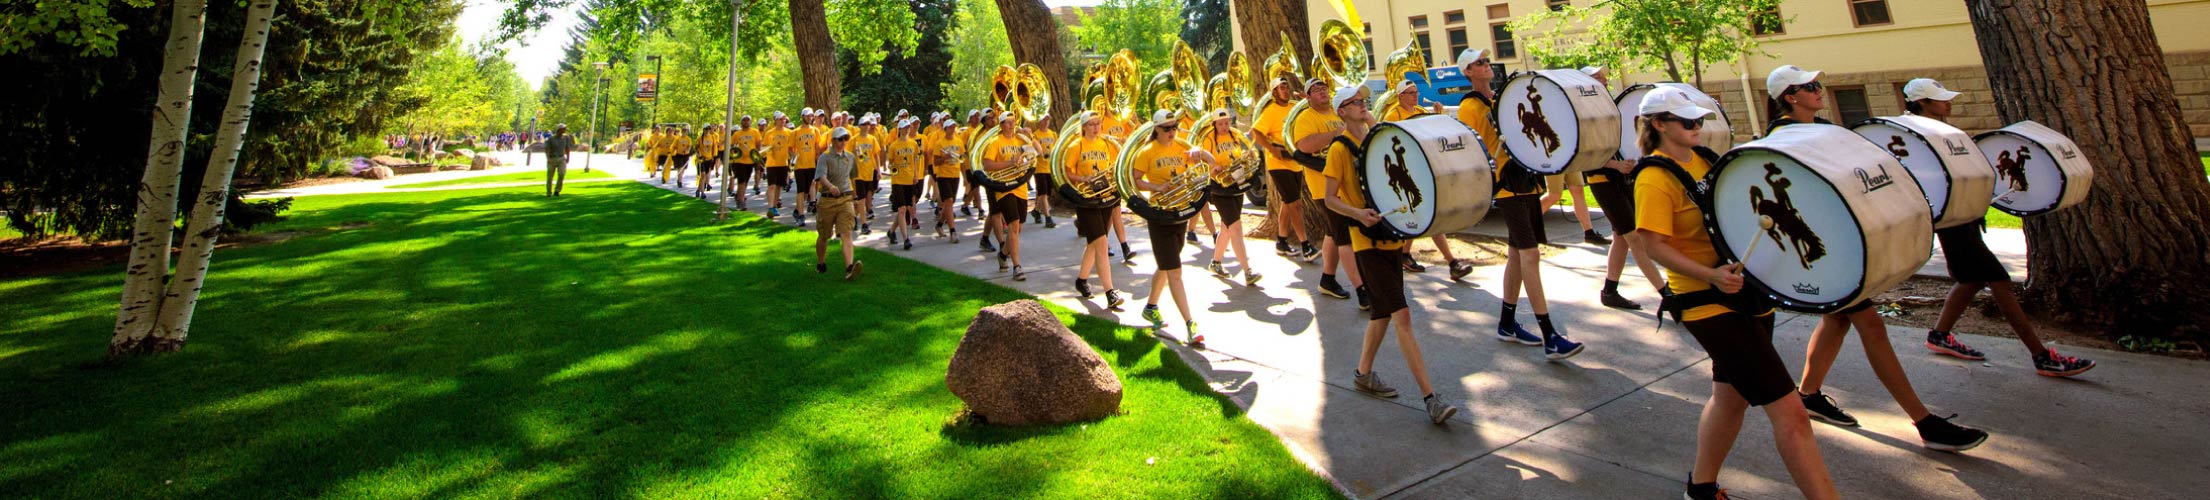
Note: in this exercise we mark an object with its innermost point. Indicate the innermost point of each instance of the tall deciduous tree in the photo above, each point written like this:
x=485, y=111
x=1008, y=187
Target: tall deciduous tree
x=1264, y=24
x=1031, y=23
x=157, y=190
x=1147, y=28
x=978, y=45
x=1678, y=37
x=2134, y=255
x=809, y=26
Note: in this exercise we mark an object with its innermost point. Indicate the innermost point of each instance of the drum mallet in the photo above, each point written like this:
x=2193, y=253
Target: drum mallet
x=1764, y=223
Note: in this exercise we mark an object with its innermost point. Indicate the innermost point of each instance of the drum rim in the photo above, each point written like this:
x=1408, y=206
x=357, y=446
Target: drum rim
x=2063, y=178
x=1949, y=189
x=1572, y=155
x=1390, y=230
x=1726, y=252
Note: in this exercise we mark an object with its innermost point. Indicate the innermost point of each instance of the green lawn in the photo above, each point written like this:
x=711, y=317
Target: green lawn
x=494, y=343
x=573, y=174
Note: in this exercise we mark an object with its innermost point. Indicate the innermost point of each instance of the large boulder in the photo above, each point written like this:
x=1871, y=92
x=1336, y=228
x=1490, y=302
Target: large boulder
x=378, y=172
x=1017, y=365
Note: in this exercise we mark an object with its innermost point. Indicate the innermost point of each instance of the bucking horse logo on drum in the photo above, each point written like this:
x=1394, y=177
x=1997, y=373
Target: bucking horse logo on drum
x=1535, y=124
x=2013, y=168
x=1788, y=223
x=1400, y=178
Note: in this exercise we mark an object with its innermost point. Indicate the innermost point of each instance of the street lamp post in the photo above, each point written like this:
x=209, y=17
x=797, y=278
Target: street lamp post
x=659, y=87
x=596, y=85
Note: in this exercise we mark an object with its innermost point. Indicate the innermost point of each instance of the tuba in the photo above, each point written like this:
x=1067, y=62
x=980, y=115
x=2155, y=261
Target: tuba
x=1119, y=83
x=1027, y=93
x=1231, y=90
x=1097, y=193
x=1234, y=177
x=1340, y=53
x=1189, y=74
x=1281, y=65
x=1178, y=203
x=1405, y=61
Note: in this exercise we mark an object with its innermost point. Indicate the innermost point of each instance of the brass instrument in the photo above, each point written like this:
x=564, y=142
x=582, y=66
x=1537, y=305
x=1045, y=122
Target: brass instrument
x=1026, y=92
x=1118, y=84
x=1281, y=65
x=1341, y=53
x=1179, y=202
x=1098, y=191
x=1189, y=80
x=1231, y=90
x=1408, y=60
x=1242, y=167
x=1163, y=92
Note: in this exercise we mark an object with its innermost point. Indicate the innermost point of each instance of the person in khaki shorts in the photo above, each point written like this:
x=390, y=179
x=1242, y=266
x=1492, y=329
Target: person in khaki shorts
x=834, y=184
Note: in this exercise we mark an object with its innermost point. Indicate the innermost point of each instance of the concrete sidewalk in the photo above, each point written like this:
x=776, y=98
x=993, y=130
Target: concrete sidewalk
x=1619, y=420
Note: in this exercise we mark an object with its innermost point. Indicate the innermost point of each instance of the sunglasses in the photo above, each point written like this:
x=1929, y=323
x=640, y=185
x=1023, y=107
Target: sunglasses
x=1166, y=129
x=1687, y=123
x=1808, y=87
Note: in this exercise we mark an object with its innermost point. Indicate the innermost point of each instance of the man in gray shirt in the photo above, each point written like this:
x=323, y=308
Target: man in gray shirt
x=556, y=159
x=834, y=184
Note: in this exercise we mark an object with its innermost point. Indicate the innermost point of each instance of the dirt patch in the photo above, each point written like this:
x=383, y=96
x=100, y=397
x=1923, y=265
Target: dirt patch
x=25, y=257
x=1918, y=301
x=307, y=182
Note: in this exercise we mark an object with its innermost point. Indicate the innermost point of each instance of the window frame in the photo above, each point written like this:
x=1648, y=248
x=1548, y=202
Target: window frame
x=1505, y=47
x=1418, y=22
x=1778, y=28
x=1500, y=11
x=1466, y=40
x=1834, y=95
x=1558, y=5
x=1460, y=14
x=1859, y=21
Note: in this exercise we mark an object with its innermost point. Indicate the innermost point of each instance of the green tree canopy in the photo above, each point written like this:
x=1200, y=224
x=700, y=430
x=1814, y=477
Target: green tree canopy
x=1147, y=27
x=1677, y=37
x=978, y=47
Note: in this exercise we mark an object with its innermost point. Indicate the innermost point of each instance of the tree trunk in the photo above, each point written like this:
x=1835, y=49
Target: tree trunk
x=1262, y=24
x=2133, y=257
x=809, y=27
x=157, y=189
x=1035, y=38
x=207, y=218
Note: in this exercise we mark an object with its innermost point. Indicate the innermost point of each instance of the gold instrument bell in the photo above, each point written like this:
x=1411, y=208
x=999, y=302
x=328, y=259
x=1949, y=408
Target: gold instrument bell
x=1025, y=92
x=1231, y=90
x=1281, y=65
x=1340, y=62
x=1405, y=61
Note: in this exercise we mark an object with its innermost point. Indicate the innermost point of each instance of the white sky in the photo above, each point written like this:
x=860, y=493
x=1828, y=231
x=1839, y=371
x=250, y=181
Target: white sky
x=538, y=54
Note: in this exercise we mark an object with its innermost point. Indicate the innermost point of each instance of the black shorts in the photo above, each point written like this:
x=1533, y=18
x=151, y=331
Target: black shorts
x=1044, y=184
x=1523, y=219
x=1010, y=207
x=1093, y=223
x=1968, y=257
x=1290, y=183
x=903, y=195
x=1383, y=271
x=681, y=161
x=946, y=189
x=1339, y=227
x=805, y=179
x=1617, y=200
x=866, y=189
x=741, y=171
x=1166, y=244
x=1742, y=355
x=1230, y=207
x=778, y=176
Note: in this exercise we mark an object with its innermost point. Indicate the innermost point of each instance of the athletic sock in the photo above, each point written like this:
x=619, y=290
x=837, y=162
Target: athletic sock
x=1611, y=286
x=1327, y=280
x=1510, y=314
x=1543, y=320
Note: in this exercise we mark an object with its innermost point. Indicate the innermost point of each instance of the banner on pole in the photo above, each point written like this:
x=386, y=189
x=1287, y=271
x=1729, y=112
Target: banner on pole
x=648, y=87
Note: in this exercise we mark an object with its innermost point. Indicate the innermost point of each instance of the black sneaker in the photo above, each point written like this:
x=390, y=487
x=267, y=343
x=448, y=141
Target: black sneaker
x=1192, y=237
x=2051, y=364
x=964, y=211
x=1413, y=266
x=1459, y=269
x=1035, y=217
x=1940, y=435
x=821, y=267
x=1944, y=343
x=852, y=270
x=893, y=239
x=1281, y=247
x=864, y=230
x=1050, y=223
x=1824, y=409
x=1331, y=289
x=1612, y=299
x=1363, y=302
x=1082, y=286
x=1218, y=271
x=1112, y=299
x=1589, y=236
x=1705, y=491
x=1310, y=254
x=1001, y=262
x=986, y=246
x=909, y=243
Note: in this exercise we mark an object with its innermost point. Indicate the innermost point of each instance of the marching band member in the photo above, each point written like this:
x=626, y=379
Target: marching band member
x=1091, y=157
x=1007, y=149
x=776, y=139
x=1044, y=137
x=805, y=149
x=744, y=160
x=1225, y=146
x=868, y=149
x=709, y=157
x=1614, y=194
x=1161, y=159
x=945, y=153
x=1517, y=199
x=679, y=150
x=1286, y=175
x=1314, y=130
x=1408, y=106
x=908, y=166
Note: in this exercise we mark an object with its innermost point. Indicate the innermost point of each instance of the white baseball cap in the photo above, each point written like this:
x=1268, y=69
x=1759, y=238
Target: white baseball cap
x=905, y=122
x=1468, y=57
x=1927, y=88
x=839, y=133
x=1164, y=117
x=1005, y=116
x=1346, y=94
x=1672, y=100
x=1220, y=113
x=780, y=116
x=1591, y=70
x=1092, y=116
x=1408, y=84
x=1787, y=76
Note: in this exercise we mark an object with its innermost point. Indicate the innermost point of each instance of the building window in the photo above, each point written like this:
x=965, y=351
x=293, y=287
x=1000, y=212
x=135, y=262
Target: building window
x=1869, y=12
x=1850, y=105
x=1458, y=41
x=1430, y=48
x=1369, y=54
x=1505, y=47
x=1454, y=17
x=1559, y=5
x=1769, y=23
x=1500, y=11
x=1419, y=22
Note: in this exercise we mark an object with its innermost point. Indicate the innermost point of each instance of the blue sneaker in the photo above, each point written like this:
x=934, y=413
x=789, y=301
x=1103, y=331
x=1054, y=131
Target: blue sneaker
x=1557, y=347
x=1511, y=332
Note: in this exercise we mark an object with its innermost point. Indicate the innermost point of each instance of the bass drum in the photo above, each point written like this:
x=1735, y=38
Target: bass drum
x=1848, y=223
x=1557, y=121
x=2038, y=169
x=1957, y=180
x=1426, y=176
x=1717, y=133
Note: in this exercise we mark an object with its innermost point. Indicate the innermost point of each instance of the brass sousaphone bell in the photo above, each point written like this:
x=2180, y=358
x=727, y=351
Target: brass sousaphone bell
x=1341, y=55
x=1231, y=90
x=1405, y=61
x=1027, y=93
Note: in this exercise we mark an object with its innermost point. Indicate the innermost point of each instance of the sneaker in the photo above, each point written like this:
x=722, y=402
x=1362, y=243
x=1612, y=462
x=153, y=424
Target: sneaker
x=1035, y=217
x=1363, y=302
x=893, y=239
x=1944, y=343
x=812, y=205
x=909, y=243
x=2052, y=364
x=1413, y=266
x=1050, y=223
x=1112, y=299
x=1311, y=254
x=1438, y=411
x=1589, y=236
x=852, y=270
x=821, y=267
x=1612, y=299
x=964, y=211
x=1558, y=347
x=1706, y=491
x=1281, y=247
x=986, y=246
x=1512, y=332
x=1371, y=384
x=1195, y=340
x=1824, y=409
x=1191, y=236
x=863, y=229
x=1151, y=314
x=1940, y=435
x=1001, y=262
x=1217, y=270
x=1019, y=275
x=1082, y=286
x=1459, y=269
x=1331, y=289
x=1250, y=278
x=774, y=212
x=801, y=218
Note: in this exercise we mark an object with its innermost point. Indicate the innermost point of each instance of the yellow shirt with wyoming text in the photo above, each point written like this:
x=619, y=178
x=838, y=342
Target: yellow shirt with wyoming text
x=1343, y=168
x=1475, y=112
x=805, y=147
x=1004, y=148
x=905, y=160
x=867, y=157
x=1310, y=123
x=1115, y=127
x=1092, y=156
x=1662, y=206
x=946, y=141
x=1045, y=139
x=1224, y=147
x=1159, y=163
x=1268, y=128
x=709, y=144
x=777, y=140
x=742, y=144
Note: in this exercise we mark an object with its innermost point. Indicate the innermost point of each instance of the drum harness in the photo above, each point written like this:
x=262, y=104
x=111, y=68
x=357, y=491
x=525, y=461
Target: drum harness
x=1699, y=193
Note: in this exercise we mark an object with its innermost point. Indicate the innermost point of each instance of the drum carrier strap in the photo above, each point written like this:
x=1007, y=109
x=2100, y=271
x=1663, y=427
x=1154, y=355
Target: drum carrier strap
x=1699, y=193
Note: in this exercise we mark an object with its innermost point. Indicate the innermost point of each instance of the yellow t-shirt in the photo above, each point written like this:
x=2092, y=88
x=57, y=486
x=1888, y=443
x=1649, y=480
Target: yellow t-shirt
x=905, y=160
x=1662, y=206
x=1269, y=129
x=1159, y=163
x=1223, y=146
x=1310, y=123
x=1343, y=168
x=1092, y=156
x=1115, y=127
x=805, y=147
x=866, y=155
x=1401, y=113
x=778, y=146
x=742, y=143
x=1045, y=139
x=947, y=141
x=1002, y=148
x=1475, y=112
x=679, y=144
x=709, y=143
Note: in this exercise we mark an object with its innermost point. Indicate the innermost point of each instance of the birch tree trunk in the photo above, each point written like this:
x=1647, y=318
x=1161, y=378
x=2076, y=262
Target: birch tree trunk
x=157, y=189
x=2133, y=257
x=207, y=218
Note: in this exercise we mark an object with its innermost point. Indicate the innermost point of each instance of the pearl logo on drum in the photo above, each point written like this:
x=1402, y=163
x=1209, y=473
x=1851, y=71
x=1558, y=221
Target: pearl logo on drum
x=1588, y=91
x=1955, y=149
x=1875, y=182
x=1449, y=144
